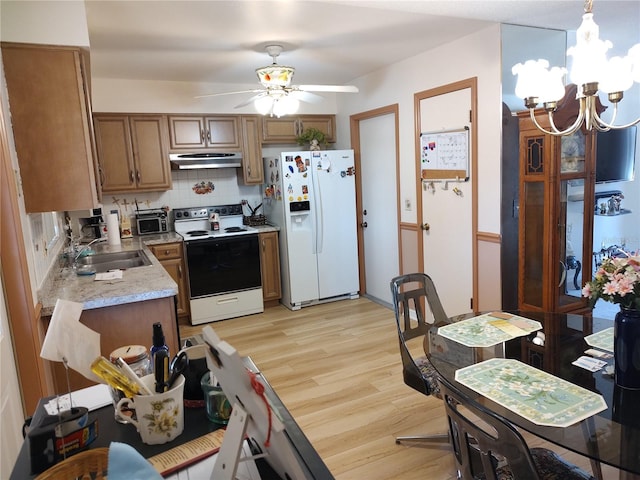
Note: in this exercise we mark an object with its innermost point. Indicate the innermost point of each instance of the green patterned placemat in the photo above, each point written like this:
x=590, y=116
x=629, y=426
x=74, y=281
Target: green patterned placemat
x=602, y=339
x=489, y=329
x=531, y=393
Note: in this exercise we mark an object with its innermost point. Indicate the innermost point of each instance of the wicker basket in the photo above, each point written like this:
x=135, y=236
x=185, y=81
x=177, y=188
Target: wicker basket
x=254, y=220
x=90, y=464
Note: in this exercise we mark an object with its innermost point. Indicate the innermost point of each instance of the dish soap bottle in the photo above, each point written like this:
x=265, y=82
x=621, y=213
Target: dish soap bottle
x=158, y=342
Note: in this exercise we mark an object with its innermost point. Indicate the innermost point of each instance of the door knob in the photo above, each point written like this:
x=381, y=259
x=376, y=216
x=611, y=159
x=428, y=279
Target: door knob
x=364, y=225
x=425, y=226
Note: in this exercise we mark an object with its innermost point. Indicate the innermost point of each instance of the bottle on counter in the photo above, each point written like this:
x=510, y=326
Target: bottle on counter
x=158, y=343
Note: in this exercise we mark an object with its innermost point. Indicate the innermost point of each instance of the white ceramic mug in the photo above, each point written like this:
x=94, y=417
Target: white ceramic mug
x=159, y=418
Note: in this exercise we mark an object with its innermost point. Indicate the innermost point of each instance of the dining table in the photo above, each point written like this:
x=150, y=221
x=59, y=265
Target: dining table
x=531, y=368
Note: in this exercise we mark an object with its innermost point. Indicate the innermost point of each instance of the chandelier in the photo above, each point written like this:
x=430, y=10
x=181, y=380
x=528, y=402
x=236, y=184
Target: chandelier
x=591, y=71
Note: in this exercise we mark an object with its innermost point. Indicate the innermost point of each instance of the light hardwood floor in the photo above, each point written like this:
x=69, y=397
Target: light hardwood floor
x=337, y=368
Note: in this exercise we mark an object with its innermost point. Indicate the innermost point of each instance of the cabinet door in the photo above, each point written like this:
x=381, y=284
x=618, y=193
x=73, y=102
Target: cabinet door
x=151, y=159
x=279, y=130
x=175, y=269
x=252, y=168
x=286, y=129
x=51, y=126
x=223, y=132
x=171, y=258
x=270, y=266
x=186, y=132
x=324, y=123
x=115, y=157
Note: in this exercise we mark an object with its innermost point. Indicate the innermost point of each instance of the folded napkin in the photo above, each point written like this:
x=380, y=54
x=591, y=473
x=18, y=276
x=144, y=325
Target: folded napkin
x=125, y=463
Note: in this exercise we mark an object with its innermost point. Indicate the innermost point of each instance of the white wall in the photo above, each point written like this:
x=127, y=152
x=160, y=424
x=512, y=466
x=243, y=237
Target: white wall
x=47, y=22
x=476, y=55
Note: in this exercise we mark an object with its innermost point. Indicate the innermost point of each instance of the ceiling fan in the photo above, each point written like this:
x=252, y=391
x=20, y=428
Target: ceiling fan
x=278, y=96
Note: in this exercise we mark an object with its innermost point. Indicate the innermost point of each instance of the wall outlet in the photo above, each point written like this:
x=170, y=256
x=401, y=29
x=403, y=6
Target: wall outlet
x=407, y=204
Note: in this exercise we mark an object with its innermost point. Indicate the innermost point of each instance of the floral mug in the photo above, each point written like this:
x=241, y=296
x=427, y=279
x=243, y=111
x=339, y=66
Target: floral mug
x=159, y=418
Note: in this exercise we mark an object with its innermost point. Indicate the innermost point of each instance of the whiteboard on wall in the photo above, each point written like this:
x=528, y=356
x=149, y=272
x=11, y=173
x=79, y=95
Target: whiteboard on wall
x=444, y=155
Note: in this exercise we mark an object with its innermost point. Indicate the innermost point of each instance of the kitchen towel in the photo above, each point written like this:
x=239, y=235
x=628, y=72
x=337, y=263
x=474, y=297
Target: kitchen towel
x=113, y=229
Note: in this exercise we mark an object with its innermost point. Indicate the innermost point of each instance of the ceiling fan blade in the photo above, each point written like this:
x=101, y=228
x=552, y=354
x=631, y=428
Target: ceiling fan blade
x=228, y=93
x=250, y=100
x=329, y=88
x=306, y=96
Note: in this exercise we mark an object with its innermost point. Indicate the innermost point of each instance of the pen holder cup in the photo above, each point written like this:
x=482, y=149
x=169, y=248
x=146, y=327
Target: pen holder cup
x=218, y=407
x=159, y=418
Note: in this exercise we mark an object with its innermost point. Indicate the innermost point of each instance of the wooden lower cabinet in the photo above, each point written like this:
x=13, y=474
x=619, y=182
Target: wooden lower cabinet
x=270, y=267
x=119, y=325
x=172, y=259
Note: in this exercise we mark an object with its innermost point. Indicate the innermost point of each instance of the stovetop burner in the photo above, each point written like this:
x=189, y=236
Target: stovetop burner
x=195, y=224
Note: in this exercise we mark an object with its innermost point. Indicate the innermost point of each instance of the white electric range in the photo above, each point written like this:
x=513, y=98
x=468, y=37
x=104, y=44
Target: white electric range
x=223, y=265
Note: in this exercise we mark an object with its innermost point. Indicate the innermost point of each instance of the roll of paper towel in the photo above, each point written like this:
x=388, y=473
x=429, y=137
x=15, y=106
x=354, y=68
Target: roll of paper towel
x=113, y=229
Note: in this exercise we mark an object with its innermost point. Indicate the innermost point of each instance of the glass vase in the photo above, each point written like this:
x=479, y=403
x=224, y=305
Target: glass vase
x=626, y=346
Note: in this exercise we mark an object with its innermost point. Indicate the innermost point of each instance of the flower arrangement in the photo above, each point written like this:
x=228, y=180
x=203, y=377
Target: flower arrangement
x=617, y=280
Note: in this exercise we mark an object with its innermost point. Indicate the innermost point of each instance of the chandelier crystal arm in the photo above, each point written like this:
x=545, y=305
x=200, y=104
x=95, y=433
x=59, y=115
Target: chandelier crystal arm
x=554, y=130
x=607, y=126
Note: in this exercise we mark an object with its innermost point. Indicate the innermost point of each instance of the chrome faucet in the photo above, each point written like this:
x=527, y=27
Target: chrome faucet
x=84, y=249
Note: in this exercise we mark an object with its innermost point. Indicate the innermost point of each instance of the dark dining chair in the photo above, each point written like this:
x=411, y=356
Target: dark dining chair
x=487, y=446
x=411, y=293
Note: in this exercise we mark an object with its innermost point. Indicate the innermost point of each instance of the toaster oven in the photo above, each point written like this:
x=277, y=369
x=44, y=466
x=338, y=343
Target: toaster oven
x=150, y=222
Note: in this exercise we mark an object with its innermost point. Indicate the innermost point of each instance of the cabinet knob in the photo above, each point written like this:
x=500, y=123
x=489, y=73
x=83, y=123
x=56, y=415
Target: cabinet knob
x=202, y=136
x=131, y=176
x=138, y=175
x=166, y=252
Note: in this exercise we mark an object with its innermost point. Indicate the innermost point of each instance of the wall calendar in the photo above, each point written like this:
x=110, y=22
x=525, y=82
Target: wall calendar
x=444, y=155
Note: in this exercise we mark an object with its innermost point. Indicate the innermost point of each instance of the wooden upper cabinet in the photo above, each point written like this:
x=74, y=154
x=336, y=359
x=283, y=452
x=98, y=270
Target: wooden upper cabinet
x=252, y=168
x=286, y=129
x=219, y=132
x=51, y=120
x=132, y=152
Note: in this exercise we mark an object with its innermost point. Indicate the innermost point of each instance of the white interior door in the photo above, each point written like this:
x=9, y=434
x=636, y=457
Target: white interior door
x=379, y=198
x=448, y=255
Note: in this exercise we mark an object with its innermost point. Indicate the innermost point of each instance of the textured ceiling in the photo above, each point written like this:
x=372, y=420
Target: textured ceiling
x=328, y=42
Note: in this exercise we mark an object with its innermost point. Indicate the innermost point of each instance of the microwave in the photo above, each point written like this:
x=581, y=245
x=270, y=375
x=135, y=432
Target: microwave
x=151, y=222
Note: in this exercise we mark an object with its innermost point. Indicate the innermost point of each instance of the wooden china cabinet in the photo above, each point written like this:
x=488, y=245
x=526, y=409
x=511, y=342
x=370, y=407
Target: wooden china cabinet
x=557, y=175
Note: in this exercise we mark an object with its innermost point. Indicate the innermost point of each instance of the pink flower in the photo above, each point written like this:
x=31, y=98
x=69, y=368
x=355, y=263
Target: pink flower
x=610, y=288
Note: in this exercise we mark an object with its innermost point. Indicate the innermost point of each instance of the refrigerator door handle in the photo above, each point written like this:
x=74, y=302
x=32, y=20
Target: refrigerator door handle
x=317, y=212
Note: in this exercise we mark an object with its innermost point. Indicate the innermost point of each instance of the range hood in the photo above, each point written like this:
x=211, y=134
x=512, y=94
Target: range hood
x=185, y=161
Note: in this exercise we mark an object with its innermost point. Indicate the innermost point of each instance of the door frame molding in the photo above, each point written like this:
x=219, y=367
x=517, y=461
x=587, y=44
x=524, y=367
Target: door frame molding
x=472, y=85
x=23, y=314
x=354, y=122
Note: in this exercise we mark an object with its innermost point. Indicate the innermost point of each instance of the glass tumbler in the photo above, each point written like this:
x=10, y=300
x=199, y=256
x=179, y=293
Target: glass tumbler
x=218, y=407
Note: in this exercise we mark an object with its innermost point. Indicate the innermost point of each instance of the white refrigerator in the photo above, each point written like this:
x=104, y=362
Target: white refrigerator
x=311, y=197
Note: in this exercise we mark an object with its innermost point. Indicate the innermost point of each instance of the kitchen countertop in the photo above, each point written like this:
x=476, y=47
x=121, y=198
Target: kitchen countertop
x=137, y=284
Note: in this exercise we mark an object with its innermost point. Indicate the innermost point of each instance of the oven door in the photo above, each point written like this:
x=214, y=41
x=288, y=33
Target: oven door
x=223, y=265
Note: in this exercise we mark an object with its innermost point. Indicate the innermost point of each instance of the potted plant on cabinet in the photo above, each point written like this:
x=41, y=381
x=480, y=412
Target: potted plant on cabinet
x=314, y=137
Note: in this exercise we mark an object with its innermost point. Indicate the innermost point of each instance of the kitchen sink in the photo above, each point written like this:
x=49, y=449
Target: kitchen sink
x=103, y=262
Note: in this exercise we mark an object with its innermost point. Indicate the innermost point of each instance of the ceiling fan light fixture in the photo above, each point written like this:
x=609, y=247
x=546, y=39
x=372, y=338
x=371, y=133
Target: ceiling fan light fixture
x=275, y=76
x=264, y=104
